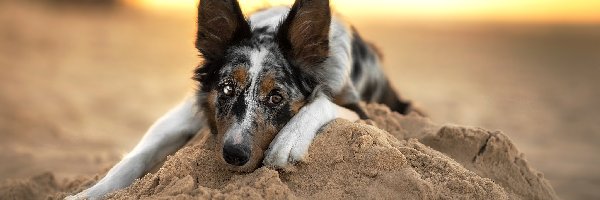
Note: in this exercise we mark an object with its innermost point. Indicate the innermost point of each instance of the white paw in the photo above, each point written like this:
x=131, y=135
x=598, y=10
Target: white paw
x=289, y=147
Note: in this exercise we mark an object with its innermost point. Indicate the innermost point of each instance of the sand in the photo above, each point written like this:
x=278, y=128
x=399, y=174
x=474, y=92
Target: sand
x=389, y=156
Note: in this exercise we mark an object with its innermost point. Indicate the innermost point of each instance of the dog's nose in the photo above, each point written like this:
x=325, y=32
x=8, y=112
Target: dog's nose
x=237, y=155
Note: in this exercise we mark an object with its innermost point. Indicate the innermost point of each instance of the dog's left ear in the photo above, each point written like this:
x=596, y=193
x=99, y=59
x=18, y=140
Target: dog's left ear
x=304, y=35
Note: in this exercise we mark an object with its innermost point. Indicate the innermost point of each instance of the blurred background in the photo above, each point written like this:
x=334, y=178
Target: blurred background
x=82, y=80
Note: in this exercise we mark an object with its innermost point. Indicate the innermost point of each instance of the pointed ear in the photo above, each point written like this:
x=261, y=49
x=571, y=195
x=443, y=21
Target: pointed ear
x=304, y=35
x=220, y=23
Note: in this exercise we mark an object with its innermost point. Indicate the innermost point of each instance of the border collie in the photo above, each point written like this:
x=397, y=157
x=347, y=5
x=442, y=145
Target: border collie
x=267, y=84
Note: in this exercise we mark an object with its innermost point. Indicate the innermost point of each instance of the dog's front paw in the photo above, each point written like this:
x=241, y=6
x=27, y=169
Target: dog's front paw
x=288, y=148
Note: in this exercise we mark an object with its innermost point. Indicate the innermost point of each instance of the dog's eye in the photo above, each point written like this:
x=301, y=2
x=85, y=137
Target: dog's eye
x=275, y=99
x=228, y=90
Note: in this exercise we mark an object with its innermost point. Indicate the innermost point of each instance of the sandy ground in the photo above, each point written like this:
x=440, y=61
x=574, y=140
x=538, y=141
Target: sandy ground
x=389, y=156
x=80, y=86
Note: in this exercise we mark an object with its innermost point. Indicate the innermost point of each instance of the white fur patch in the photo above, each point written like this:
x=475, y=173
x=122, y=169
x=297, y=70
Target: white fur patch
x=339, y=63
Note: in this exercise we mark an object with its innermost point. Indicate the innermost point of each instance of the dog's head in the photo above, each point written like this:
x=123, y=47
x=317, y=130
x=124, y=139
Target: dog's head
x=254, y=80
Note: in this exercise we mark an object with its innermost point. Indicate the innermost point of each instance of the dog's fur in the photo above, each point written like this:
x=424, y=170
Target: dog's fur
x=266, y=86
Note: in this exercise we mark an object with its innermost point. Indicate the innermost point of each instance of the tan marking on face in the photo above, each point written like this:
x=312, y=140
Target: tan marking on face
x=267, y=85
x=264, y=133
x=240, y=75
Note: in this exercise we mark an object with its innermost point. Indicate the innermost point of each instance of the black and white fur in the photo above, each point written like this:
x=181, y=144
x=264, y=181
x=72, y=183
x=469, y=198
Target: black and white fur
x=266, y=86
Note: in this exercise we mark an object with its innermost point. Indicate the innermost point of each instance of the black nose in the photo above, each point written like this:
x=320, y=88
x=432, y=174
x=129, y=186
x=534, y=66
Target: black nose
x=237, y=155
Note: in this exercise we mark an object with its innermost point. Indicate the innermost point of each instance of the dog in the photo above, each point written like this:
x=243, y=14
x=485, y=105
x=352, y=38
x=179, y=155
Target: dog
x=265, y=87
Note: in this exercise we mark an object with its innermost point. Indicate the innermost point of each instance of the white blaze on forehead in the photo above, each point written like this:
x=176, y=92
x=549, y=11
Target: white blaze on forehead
x=257, y=57
x=235, y=133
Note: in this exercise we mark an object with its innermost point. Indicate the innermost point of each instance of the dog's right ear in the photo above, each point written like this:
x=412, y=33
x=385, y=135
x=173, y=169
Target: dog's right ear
x=220, y=23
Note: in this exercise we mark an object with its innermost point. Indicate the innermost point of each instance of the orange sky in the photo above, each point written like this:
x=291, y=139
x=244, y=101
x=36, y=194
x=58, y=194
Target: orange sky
x=573, y=11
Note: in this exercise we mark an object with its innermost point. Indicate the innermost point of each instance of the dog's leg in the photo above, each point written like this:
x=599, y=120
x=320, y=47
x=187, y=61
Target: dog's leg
x=293, y=141
x=164, y=137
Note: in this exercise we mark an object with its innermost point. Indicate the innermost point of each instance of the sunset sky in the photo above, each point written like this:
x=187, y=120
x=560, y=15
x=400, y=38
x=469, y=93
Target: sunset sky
x=573, y=11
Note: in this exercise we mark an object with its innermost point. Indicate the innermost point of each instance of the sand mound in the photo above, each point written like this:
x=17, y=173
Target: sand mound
x=489, y=154
x=347, y=160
